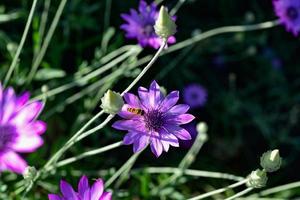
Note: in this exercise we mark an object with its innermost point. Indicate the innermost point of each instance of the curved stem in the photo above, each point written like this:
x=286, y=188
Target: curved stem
x=20, y=47
x=85, y=154
x=280, y=188
x=245, y=191
x=214, y=192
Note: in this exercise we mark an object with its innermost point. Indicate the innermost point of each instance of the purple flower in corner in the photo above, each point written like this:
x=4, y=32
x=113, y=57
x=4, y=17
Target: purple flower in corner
x=154, y=119
x=19, y=130
x=85, y=192
x=139, y=25
x=288, y=12
x=195, y=95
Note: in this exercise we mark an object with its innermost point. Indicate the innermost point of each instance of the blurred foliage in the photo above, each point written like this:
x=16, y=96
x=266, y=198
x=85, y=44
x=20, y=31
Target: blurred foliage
x=252, y=81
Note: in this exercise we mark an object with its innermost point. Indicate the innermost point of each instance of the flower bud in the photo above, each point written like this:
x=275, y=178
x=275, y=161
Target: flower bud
x=164, y=25
x=29, y=173
x=112, y=102
x=271, y=160
x=257, y=179
x=202, y=129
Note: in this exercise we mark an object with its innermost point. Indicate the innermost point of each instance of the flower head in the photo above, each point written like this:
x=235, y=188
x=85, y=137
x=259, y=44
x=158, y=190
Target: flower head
x=85, y=192
x=19, y=130
x=195, y=95
x=154, y=119
x=288, y=12
x=271, y=160
x=140, y=25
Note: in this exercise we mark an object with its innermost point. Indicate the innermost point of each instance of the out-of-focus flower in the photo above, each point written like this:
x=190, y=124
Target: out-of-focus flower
x=153, y=119
x=85, y=192
x=195, y=95
x=140, y=25
x=19, y=130
x=288, y=12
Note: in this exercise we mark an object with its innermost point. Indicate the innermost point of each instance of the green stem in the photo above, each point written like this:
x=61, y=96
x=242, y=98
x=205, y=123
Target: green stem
x=46, y=42
x=190, y=172
x=280, y=188
x=245, y=191
x=20, y=47
x=9, y=17
x=177, y=7
x=84, y=155
x=218, y=191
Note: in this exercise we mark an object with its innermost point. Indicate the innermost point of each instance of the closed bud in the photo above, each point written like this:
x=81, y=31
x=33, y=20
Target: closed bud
x=111, y=102
x=257, y=179
x=271, y=160
x=202, y=129
x=29, y=173
x=164, y=25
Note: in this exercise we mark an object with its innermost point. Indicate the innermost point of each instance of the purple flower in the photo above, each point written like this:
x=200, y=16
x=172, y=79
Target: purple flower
x=153, y=119
x=19, y=130
x=288, y=12
x=140, y=25
x=85, y=192
x=195, y=95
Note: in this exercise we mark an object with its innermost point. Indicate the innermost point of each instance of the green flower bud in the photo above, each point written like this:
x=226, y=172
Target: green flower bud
x=112, y=102
x=257, y=179
x=271, y=160
x=164, y=26
x=29, y=173
x=202, y=129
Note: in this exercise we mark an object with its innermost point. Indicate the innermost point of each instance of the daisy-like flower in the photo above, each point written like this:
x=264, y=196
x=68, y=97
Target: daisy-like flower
x=191, y=128
x=195, y=95
x=140, y=25
x=19, y=130
x=288, y=12
x=85, y=192
x=154, y=119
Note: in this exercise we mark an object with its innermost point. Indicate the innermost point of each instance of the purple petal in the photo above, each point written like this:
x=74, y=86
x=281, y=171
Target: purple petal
x=127, y=125
x=144, y=96
x=169, y=138
x=67, y=190
x=83, y=185
x=179, y=109
x=106, y=196
x=140, y=143
x=28, y=113
x=27, y=144
x=179, y=132
x=54, y=197
x=156, y=145
x=132, y=100
x=22, y=100
x=8, y=104
x=180, y=119
x=130, y=138
x=13, y=162
x=169, y=101
x=155, y=95
x=97, y=190
x=34, y=128
x=124, y=112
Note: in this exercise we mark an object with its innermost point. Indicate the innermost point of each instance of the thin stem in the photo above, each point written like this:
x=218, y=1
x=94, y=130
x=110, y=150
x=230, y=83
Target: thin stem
x=245, y=191
x=177, y=7
x=85, y=154
x=128, y=164
x=211, y=33
x=46, y=42
x=214, y=192
x=107, y=14
x=190, y=172
x=9, y=17
x=280, y=188
x=20, y=47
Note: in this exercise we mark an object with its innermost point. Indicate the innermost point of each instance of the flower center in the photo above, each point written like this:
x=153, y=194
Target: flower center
x=148, y=30
x=154, y=120
x=292, y=13
x=7, y=136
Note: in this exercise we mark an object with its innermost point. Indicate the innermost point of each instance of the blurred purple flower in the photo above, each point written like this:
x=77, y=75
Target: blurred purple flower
x=85, y=192
x=191, y=128
x=19, y=130
x=158, y=121
x=195, y=95
x=288, y=12
x=139, y=25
